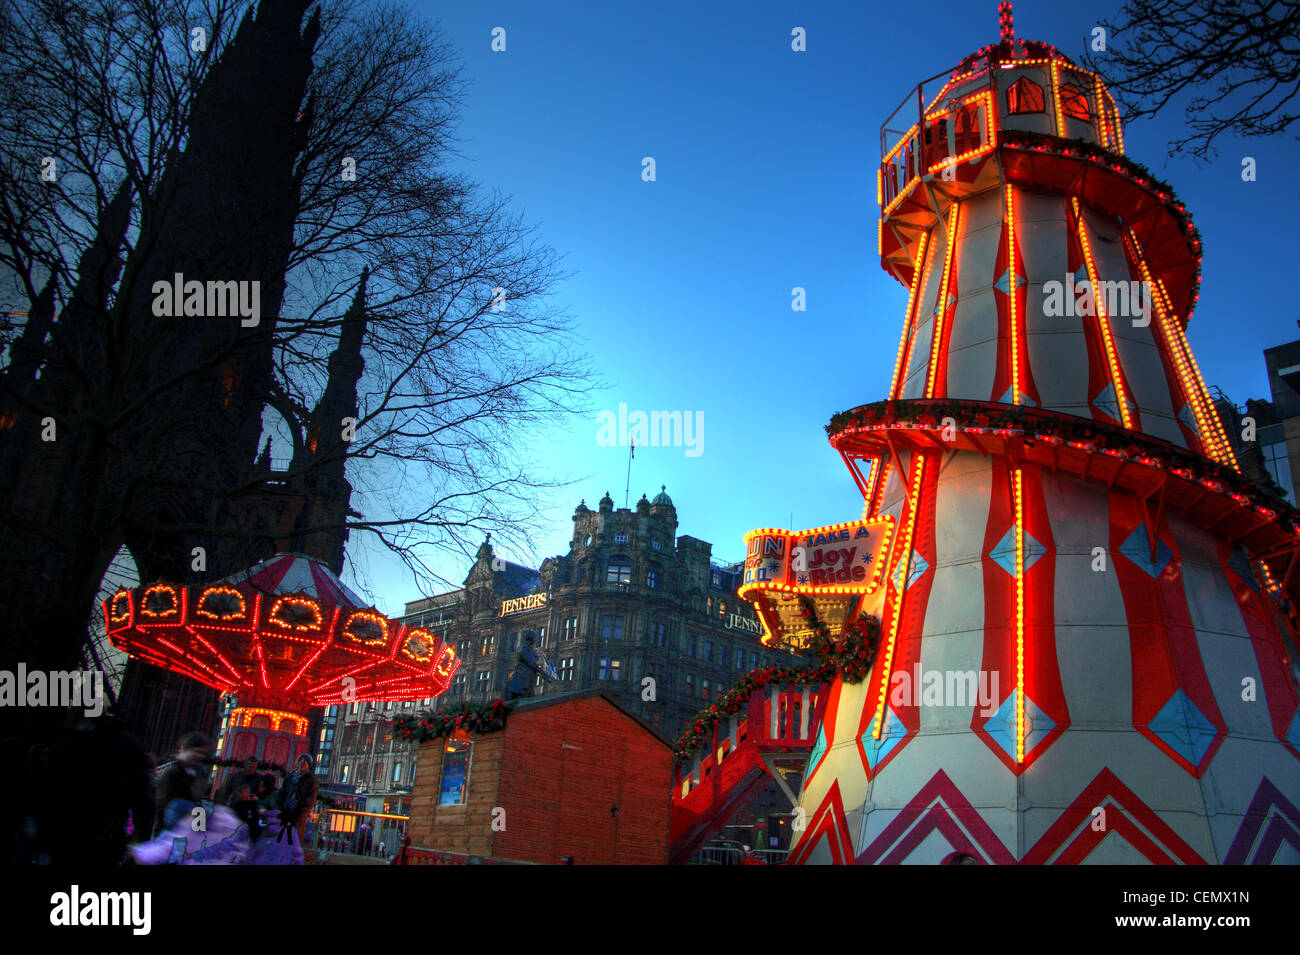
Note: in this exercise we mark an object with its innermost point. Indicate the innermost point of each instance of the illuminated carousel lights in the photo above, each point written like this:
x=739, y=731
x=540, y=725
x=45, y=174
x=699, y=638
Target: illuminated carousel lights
x=287, y=602
x=201, y=609
x=120, y=607
x=377, y=620
x=156, y=589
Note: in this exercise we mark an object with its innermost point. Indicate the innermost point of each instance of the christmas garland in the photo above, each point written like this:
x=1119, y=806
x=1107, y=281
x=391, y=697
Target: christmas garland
x=1056, y=427
x=486, y=718
x=1134, y=170
x=848, y=654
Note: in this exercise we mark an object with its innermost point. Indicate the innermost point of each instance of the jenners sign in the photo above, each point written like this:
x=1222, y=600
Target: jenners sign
x=520, y=604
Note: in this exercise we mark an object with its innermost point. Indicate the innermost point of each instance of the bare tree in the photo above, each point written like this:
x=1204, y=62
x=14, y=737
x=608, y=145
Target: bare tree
x=1234, y=67
x=237, y=145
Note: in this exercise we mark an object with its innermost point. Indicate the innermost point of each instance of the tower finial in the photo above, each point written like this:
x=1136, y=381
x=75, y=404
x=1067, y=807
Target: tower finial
x=1006, y=22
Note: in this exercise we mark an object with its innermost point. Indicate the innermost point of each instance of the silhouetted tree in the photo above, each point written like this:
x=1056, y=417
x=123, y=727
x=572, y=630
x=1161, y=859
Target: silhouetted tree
x=1233, y=67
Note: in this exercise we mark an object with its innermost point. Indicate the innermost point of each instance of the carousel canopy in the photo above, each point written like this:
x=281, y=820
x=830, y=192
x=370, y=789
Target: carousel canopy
x=286, y=633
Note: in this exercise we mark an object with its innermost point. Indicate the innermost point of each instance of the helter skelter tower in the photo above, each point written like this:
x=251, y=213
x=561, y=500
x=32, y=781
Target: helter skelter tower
x=1071, y=527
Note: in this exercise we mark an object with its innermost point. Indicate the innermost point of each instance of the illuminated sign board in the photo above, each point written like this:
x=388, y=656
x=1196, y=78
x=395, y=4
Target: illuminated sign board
x=839, y=567
x=522, y=604
x=736, y=622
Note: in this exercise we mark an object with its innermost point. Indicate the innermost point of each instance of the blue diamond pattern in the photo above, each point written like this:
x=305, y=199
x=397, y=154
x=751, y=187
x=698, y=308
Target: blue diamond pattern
x=1005, y=552
x=1241, y=565
x=890, y=734
x=819, y=748
x=1293, y=734
x=1003, y=284
x=1006, y=399
x=1188, y=418
x=951, y=298
x=919, y=567
x=1138, y=550
x=1184, y=728
x=1081, y=275
x=1106, y=402
x=1002, y=725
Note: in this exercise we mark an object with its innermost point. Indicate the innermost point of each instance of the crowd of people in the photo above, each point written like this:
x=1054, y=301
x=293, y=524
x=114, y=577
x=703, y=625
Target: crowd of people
x=88, y=799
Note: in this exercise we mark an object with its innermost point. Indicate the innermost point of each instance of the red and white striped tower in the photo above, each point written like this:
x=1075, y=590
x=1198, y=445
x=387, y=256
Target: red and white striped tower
x=1073, y=533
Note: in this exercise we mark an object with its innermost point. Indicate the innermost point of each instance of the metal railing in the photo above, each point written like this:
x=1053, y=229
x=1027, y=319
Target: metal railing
x=348, y=832
x=734, y=854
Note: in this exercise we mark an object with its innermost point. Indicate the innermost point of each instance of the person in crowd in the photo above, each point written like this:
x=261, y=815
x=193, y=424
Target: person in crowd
x=247, y=775
x=183, y=784
x=266, y=790
x=297, y=797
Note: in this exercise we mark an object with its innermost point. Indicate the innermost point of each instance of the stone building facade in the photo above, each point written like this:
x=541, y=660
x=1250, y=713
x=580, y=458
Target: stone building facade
x=633, y=609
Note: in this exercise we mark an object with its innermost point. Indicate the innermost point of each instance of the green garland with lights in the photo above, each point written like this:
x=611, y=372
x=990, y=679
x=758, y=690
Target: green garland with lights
x=483, y=718
x=848, y=654
x=1036, y=424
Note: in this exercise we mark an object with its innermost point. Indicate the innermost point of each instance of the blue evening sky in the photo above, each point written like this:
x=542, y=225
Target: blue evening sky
x=766, y=180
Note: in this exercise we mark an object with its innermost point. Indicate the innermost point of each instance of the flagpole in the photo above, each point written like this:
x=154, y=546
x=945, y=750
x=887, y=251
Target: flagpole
x=627, y=488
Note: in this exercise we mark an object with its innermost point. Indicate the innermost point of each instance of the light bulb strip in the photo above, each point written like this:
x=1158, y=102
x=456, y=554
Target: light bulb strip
x=1103, y=321
x=941, y=305
x=909, y=318
x=905, y=548
x=1213, y=438
x=1018, y=488
x=1014, y=316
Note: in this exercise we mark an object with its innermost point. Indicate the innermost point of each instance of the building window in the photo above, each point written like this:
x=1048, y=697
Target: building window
x=609, y=669
x=361, y=773
x=570, y=628
x=455, y=772
x=705, y=686
x=654, y=577
x=514, y=640
x=458, y=681
x=708, y=651
x=481, y=680
x=620, y=538
x=541, y=637
x=1025, y=96
x=397, y=773
x=656, y=545
x=566, y=668
x=722, y=608
x=753, y=661
x=1279, y=467
x=619, y=571
x=658, y=634
x=740, y=658
x=1074, y=104
x=489, y=645
x=379, y=773
x=721, y=658
x=611, y=627
x=690, y=684
x=708, y=607
x=347, y=769
x=692, y=645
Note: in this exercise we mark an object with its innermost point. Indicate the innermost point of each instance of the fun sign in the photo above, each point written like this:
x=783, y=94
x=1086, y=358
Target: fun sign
x=840, y=556
x=838, y=567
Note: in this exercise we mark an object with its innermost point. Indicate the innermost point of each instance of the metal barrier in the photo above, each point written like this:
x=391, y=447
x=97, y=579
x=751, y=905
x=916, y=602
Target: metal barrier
x=347, y=832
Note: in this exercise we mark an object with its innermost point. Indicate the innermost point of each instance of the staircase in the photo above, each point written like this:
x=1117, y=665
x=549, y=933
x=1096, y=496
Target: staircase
x=775, y=731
